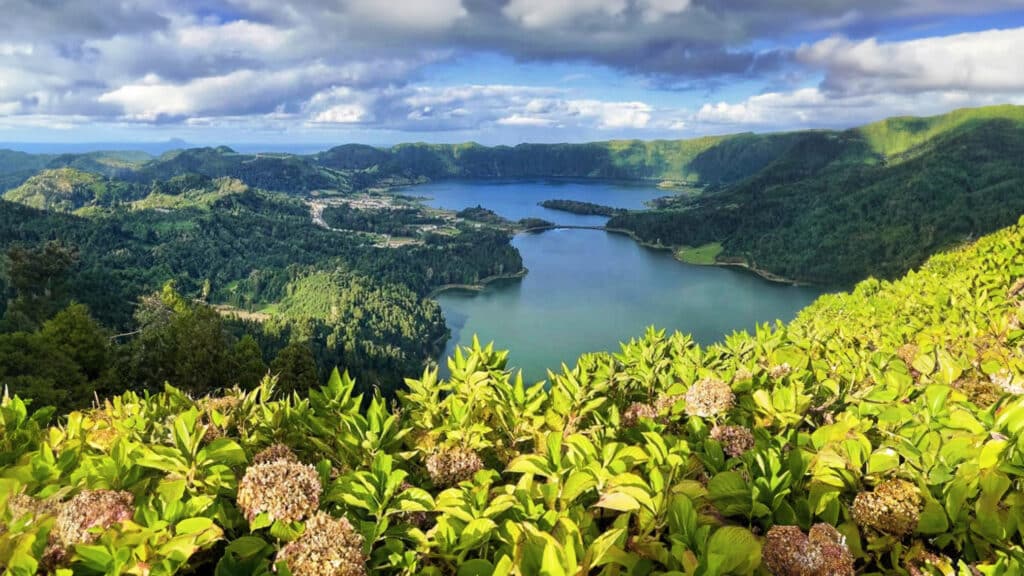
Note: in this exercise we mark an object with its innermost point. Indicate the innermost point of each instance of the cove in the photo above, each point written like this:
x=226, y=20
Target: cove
x=588, y=290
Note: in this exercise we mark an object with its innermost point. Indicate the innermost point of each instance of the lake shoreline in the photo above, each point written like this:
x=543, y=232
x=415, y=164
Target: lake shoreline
x=764, y=274
x=479, y=286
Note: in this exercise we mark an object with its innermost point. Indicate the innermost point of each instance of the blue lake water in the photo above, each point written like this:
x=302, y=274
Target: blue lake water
x=588, y=290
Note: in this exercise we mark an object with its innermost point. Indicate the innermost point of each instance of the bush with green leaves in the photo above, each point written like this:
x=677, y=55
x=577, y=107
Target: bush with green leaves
x=881, y=432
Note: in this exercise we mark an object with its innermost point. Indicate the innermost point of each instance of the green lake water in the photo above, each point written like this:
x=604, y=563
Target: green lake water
x=588, y=290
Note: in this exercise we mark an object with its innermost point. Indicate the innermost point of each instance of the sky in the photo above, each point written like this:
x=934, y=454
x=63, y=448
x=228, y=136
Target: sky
x=288, y=72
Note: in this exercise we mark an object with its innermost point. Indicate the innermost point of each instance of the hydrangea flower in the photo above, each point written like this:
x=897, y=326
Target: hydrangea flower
x=285, y=490
x=735, y=440
x=328, y=547
x=451, y=466
x=709, y=397
x=636, y=411
x=787, y=551
x=274, y=453
x=894, y=507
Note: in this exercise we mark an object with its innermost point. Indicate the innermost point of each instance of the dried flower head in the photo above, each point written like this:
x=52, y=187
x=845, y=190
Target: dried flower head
x=632, y=415
x=87, y=510
x=21, y=505
x=286, y=491
x=328, y=547
x=665, y=402
x=274, y=453
x=780, y=371
x=788, y=551
x=451, y=466
x=907, y=353
x=735, y=440
x=709, y=397
x=893, y=507
x=742, y=374
x=222, y=404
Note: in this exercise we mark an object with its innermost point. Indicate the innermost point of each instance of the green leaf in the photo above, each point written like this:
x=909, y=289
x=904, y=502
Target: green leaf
x=738, y=549
x=248, y=546
x=730, y=493
x=476, y=532
x=933, y=519
x=193, y=525
x=475, y=567
x=600, y=549
x=94, y=557
x=883, y=460
x=619, y=501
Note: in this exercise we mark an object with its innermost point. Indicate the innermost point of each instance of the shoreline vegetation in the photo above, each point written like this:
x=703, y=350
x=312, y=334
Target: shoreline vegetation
x=675, y=250
x=480, y=285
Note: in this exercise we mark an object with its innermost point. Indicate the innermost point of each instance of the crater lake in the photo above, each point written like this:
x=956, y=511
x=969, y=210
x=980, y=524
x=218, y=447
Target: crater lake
x=588, y=290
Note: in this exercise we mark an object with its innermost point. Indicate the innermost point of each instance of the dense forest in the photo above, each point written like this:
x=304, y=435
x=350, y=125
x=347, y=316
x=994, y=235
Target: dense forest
x=819, y=213
x=584, y=208
x=881, y=432
x=242, y=262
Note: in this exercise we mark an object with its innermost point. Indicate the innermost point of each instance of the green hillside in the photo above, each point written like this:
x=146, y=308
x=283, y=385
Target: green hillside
x=894, y=136
x=60, y=190
x=824, y=212
x=881, y=432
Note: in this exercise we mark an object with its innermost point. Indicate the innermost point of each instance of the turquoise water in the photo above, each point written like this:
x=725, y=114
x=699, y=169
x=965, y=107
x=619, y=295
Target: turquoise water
x=517, y=200
x=588, y=290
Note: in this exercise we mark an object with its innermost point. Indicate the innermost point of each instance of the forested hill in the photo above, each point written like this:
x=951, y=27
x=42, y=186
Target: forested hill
x=829, y=207
x=832, y=210
x=706, y=161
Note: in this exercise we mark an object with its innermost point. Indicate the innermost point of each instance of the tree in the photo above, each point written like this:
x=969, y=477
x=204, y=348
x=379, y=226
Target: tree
x=180, y=342
x=81, y=338
x=39, y=278
x=295, y=367
x=249, y=368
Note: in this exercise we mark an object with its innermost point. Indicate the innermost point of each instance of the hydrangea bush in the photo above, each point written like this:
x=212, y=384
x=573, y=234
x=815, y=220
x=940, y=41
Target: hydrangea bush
x=881, y=432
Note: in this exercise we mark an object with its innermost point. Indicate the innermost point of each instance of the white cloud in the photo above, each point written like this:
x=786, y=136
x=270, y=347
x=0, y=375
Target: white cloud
x=342, y=114
x=982, y=61
x=521, y=120
x=612, y=115
x=8, y=49
x=655, y=10
x=408, y=14
x=553, y=13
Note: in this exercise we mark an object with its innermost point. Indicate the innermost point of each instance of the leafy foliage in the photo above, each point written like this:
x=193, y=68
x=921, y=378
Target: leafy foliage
x=882, y=430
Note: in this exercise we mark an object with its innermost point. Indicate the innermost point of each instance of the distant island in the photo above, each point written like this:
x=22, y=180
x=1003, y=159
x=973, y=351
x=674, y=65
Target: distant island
x=582, y=208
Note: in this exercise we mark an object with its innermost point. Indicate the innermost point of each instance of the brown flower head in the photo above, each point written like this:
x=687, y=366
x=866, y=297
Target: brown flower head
x=743, y=374
x=286, y=491
x=780, y=371
x=893, y=507
x=275, y=453
x=788, y=551
x=665, y=402
x=636, y=411
x=451, y=466
x=709, y=397
x=87, y=510
x=328, y=547
x=735, y=440
x=907, y=353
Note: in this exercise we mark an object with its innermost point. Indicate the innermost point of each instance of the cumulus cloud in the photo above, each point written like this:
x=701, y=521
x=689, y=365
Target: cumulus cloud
x=364, y=62
x=546, y=14
x=984, y=61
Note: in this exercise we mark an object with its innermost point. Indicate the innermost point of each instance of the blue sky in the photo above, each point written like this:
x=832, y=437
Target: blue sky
x=287, y=72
